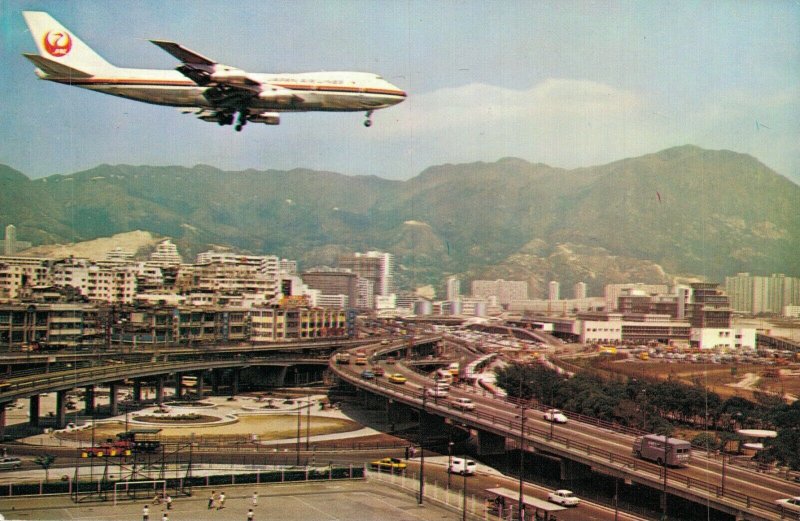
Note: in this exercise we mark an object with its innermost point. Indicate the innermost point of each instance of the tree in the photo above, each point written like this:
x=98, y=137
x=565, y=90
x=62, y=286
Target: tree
x=45, y=461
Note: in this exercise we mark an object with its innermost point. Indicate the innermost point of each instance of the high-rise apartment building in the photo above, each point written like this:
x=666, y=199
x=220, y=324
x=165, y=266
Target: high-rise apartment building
x=166, y=254
x=553, y=290
x=613, y=291
x=374, y=266
x=10, y=244
x=756, y=294
x=453, y=288
x=579, y=290
x=504, y=290
x=333, y=281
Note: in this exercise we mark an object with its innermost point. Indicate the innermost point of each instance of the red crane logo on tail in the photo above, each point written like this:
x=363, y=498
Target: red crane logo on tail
x=57, y=43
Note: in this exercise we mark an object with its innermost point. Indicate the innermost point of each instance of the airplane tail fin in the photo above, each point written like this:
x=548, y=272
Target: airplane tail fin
x=61, y=53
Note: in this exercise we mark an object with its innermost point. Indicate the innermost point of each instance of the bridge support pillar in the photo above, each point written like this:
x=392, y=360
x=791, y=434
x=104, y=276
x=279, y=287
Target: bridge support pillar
x=113, y=398
x=61, y=409
x=235, y=382
x=215, y=381
x=33, y=411
x=200, y=386
x=574, y=470
x=160, y=390
x=178, y=385
x=88, y=399
x=2, y=421
x=490, y=443
x=137, y=390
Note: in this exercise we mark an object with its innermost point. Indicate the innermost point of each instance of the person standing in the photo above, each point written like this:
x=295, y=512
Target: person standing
x=169, y=502
x=211, y=500
x=255, y=499
x=221, y=501
x=164, y=517
x=250, y=515
x=146, y=513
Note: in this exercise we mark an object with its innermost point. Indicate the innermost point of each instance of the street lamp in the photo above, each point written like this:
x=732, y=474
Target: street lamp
x=464, y=491
x=664, y=493
x=421, y=453
x=449, y=461
x=521, y=451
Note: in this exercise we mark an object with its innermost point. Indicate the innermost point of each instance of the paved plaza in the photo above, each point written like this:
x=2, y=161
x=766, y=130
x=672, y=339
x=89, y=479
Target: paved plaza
x=328, y=501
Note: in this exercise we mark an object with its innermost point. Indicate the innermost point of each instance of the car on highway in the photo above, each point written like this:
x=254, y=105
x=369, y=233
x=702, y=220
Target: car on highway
x=10, y=463
x=388, y=465
x=436, y=392
x=563, y=497
x=463, y=467
x=555, y=416
x=378, y=370
x=366, y=374
x=464, y=404
x=792, y=504
x=397, y=378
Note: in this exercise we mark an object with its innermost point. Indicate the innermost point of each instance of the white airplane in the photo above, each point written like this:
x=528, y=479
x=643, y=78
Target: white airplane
x=212, y=91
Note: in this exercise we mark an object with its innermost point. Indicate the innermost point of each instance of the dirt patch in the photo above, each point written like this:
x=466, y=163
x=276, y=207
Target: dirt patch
x=266, y=427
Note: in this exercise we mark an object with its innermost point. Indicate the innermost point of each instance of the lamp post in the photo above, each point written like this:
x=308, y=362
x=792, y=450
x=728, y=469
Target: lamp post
x=421, y=453
x=299, y=414
x=464, y=491
x=664, y=493
x=449, y=461
x=521, y=451
x=308, y=422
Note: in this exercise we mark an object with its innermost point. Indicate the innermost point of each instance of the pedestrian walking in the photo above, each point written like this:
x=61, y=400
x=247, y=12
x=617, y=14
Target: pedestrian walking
x=221, y=501
x=255, y=498
x=250, y=515
x=146, y=513
x=169, y=502
x=211, y=500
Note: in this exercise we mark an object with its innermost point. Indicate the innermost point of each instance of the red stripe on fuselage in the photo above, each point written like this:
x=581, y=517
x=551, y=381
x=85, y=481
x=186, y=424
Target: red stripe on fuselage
x=180, y=83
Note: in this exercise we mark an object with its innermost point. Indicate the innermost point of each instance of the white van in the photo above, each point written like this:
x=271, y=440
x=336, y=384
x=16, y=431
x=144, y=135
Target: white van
x=463, y=467
x=464, y=404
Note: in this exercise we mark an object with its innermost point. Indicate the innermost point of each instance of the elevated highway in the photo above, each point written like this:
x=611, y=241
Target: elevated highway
x=742, y=493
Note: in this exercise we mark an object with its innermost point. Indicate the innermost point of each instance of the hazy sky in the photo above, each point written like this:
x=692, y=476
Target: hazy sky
x=564, y=83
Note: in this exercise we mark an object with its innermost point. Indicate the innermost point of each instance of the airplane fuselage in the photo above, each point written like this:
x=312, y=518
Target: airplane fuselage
x=317, y=91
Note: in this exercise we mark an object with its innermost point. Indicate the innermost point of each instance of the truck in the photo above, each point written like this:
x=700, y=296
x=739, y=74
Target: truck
x=677, y=453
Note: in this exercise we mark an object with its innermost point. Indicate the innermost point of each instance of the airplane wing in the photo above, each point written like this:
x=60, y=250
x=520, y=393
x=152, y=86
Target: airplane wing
x=183, y=54
x=231, y=86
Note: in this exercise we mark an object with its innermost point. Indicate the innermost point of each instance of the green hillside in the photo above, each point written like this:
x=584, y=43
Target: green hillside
x=682, y=211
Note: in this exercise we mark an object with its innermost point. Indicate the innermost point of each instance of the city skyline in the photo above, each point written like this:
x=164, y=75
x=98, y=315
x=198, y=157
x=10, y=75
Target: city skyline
x=564, y=84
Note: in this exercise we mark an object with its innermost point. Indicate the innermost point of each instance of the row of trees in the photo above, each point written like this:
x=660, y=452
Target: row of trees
x=657, y=406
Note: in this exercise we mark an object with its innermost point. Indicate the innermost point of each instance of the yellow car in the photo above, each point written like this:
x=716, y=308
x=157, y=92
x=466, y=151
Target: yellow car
x=388, y=465
x=397, y=378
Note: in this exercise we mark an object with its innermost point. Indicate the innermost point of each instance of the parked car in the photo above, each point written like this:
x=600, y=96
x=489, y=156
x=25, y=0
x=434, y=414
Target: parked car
x=463, y=467
x=563, y=497
x=792, y=504
x=10, y=463
x=388, y=465
x=366, y=374
x=555, y=416
x=464, y=404
x=397, y=378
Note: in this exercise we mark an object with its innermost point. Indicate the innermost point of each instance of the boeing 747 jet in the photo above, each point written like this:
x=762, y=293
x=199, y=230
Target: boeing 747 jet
x=210, y=90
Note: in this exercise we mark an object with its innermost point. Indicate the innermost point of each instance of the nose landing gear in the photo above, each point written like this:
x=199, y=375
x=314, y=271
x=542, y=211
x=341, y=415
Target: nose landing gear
x=368, y=122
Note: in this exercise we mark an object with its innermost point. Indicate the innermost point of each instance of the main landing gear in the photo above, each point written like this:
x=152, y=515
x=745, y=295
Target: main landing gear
x=241, y=121
x=229, y=117
x=368, y=122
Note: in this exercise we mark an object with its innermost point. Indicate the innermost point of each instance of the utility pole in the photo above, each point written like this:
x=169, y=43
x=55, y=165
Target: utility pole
x=521, y=451
x=421, y=452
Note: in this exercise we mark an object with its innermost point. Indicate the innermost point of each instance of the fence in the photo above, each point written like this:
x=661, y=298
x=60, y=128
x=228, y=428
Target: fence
x=283, y=475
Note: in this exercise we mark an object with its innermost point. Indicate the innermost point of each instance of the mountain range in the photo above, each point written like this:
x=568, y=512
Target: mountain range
x=684, y=212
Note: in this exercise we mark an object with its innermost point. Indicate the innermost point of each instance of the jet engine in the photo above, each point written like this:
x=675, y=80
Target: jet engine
x=268, y=118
